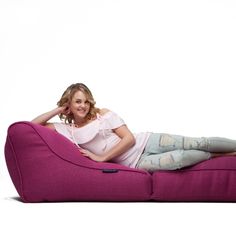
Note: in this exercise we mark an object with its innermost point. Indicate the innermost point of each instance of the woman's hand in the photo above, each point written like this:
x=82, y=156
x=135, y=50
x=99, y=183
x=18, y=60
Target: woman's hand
x=91, y=155
x=65, y=110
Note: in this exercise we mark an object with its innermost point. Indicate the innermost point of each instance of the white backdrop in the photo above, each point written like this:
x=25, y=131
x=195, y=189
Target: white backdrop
x=163, y=66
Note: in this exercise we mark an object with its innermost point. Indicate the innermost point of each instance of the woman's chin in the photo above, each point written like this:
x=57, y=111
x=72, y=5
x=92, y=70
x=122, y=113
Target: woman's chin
x=82, y=115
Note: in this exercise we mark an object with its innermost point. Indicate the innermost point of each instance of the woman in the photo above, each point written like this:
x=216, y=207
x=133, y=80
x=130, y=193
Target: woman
x=102, y=136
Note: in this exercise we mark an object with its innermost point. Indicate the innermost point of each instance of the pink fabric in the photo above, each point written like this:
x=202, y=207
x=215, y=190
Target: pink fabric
x=211, y=180
x=46, y=166
x=99, y=138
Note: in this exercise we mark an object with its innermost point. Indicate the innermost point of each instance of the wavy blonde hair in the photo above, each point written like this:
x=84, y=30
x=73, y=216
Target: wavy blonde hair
x=66, y=99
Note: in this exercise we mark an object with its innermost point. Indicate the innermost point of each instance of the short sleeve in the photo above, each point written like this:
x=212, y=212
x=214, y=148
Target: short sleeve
x=113, y=121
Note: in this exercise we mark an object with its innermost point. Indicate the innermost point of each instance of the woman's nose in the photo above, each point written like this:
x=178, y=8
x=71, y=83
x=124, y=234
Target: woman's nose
x=83, y=104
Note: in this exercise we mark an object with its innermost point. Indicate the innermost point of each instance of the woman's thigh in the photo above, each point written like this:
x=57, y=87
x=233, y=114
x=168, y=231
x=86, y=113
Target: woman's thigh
x=162, y=142
x=172, y=160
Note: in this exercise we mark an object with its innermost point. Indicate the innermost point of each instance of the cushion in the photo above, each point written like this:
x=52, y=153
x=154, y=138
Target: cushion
x=46, y=166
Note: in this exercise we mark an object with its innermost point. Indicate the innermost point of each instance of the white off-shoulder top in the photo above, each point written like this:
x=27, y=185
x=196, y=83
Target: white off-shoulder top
x=98, y=137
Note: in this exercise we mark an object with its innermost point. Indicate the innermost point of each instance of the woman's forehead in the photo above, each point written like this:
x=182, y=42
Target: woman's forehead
x=79, y=95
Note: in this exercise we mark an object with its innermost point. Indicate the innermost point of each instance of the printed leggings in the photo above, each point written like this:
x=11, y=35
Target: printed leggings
x=169, y=152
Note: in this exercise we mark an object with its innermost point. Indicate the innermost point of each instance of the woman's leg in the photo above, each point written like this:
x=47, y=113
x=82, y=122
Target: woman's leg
x=171, y=160
x=211, y=144
x=162, y=142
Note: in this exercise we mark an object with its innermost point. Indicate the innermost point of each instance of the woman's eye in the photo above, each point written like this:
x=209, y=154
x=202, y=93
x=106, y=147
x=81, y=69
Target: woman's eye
x=79, y=102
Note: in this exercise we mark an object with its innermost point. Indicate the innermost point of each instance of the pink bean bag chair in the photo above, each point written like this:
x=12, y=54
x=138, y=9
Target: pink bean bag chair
x=46, y=167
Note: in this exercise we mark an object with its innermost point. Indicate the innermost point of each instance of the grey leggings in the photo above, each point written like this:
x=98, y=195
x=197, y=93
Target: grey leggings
x=170, y=152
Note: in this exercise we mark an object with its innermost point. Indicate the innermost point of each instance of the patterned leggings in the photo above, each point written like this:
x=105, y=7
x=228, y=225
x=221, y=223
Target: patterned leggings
x=170, y=152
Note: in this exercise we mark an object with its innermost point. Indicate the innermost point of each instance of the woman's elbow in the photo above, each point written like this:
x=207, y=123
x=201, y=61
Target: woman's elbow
x=132, y=140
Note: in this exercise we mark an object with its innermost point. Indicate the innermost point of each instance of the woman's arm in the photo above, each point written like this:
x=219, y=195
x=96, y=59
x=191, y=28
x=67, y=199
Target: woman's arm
x=42, y=119
x=126, y=142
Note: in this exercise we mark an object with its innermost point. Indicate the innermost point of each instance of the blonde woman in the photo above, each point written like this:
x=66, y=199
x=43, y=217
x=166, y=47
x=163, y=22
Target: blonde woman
x=101, y=135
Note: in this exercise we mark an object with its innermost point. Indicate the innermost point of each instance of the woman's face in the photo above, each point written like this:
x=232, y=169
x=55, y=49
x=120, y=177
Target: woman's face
x=79, y=105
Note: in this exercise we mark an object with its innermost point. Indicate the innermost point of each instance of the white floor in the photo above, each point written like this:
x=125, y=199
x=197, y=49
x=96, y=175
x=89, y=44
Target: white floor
x=90, y=218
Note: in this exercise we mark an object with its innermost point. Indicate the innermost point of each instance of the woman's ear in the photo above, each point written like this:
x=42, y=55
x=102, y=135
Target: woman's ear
x=68, y=111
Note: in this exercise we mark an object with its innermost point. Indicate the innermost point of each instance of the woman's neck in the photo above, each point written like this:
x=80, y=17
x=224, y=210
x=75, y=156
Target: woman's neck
x=80, y=122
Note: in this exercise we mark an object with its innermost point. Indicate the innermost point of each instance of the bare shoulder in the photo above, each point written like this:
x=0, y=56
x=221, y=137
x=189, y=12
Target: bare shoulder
x=103, y=111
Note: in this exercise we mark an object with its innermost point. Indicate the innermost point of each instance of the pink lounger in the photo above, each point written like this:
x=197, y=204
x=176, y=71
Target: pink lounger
x=46, y=167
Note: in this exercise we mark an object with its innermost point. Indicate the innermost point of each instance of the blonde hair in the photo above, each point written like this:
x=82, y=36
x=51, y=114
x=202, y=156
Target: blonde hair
x=67, y=96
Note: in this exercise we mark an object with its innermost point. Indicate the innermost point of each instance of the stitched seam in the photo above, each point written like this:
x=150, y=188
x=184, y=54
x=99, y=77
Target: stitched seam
x=215, y=169
x=18, y=169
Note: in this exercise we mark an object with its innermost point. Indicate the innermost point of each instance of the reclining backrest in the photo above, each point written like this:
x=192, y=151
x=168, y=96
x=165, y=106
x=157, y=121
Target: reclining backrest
x=38, y=158
x=32, y=139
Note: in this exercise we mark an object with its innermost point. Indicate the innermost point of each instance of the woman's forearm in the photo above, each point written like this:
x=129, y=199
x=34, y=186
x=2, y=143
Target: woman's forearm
x=125, y=143
x=42, y=119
